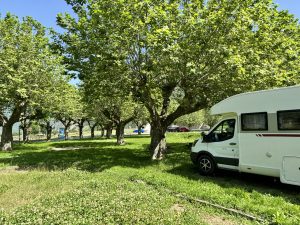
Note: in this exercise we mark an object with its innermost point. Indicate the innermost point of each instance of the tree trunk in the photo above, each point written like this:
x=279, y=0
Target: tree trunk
x=49, y=131
x=120, y=133
x=158, y=145
x=7, y=137
x=66, y=132
x=102, y=131
x=93, y=132
x=25, y=133
x=109, y=132
x=80, y=131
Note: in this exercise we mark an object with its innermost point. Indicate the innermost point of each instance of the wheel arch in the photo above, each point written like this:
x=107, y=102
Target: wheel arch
x=208, y=154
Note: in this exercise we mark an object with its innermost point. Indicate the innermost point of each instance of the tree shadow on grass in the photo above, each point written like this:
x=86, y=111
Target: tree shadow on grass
x=91, y=156
x=179, y=161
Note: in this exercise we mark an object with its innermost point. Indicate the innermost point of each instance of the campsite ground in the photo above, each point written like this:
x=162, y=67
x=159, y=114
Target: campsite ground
x=97, y=182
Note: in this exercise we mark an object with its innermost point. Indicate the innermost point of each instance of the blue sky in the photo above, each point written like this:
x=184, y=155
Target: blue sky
x=45, y=11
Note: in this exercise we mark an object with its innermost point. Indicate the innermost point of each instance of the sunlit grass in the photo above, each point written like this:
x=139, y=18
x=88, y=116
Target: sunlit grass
x=97, y=182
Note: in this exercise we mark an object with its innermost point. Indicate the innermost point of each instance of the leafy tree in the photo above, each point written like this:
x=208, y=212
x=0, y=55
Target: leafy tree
x=27, y=118
x=69, y=108
x=190, y=54
x=29, y=72
x=192, y=119
x=35, y=128
x=118, y=111
x=96, y=118
x=199, y=118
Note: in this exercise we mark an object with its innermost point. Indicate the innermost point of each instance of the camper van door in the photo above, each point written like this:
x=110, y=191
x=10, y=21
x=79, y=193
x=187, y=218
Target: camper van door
x=223, y=143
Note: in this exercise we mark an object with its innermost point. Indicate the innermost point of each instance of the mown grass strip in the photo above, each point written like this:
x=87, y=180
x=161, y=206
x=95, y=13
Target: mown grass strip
x=255, y=195
x=191, y=199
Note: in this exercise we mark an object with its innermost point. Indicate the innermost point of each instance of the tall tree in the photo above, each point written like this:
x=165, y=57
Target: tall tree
x=29, y=71
x=185, y=53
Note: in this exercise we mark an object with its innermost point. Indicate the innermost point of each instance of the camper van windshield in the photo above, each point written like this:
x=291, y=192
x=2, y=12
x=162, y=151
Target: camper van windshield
x=223, y=132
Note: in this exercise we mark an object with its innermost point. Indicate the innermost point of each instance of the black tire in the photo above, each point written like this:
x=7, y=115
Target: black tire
x=206, y=165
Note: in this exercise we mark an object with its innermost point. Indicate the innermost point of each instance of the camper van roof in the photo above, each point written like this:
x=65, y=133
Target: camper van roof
x=270, y=101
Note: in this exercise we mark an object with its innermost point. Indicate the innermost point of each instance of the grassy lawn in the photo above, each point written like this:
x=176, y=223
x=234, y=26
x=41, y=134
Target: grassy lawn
x=97, y=182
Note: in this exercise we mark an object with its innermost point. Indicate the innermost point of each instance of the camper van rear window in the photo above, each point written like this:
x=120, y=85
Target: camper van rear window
x=288, y=120
x=255, y=121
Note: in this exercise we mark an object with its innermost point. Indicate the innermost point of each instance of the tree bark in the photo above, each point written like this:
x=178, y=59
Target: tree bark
x=7, y=137
x=25, y=133
x=158, y=147
x=109, y=132
x=92, y=127
x=66, y=132
x=93, y=132
x=120, y=133
x=102, y=131
x=49, y=131
x=80, y=123
x=67, y=124
x=80, y=131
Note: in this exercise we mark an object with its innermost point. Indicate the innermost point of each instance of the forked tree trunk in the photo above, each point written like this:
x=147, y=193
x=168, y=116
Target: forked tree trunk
x=7, y=137
x=108, y=132
x=120, y=133
x=92, y=127
x=67, y=123
x=66, y=132
x=80, y=131
x=158, y=147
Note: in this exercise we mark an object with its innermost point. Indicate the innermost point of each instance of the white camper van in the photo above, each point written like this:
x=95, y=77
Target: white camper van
x=259, y=133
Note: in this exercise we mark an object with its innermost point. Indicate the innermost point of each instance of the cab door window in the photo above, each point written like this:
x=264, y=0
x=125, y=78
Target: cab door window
x=224, y=131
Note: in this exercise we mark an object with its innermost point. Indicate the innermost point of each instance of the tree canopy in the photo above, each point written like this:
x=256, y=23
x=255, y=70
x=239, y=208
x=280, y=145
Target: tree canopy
x=30, y=74
x=176, y=57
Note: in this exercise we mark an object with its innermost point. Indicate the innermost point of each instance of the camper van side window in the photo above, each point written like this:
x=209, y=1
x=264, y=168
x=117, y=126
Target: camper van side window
x=288, y=120
x=254, y=121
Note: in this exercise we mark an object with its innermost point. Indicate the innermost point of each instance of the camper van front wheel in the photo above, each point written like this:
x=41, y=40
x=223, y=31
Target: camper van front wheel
x=206, y=165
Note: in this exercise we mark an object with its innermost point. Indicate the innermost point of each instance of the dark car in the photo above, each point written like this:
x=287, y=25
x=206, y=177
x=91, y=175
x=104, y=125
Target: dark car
x=183, y=129
x=175, y=128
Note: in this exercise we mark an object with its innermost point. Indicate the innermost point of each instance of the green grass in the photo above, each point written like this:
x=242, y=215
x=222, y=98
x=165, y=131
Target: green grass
x=101, y=183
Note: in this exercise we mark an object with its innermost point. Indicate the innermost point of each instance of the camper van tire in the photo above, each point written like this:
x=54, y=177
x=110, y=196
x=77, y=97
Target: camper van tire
x=206, y=165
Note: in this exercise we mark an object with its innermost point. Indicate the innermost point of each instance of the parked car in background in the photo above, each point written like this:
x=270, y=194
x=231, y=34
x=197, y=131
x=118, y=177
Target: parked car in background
x=136, y=131
x=183, y=129
x=173, y=128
